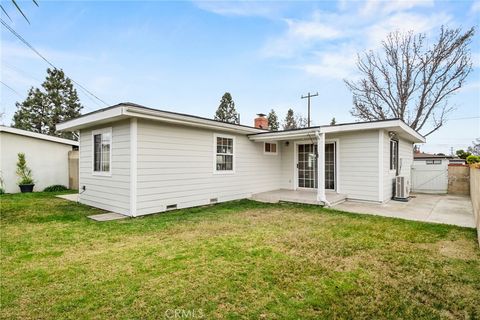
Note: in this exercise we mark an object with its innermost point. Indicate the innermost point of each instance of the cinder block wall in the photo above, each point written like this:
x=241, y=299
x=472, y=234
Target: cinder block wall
x=458, y=179
x=475, y=196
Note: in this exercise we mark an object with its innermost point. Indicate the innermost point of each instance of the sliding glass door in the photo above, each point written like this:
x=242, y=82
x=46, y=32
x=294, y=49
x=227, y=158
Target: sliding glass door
x=307, y=166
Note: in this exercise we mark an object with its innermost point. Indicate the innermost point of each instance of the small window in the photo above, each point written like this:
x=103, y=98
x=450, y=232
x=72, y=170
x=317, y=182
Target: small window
x=102, y=141
x=270, y=148
x=394, y=155
x=434, y=162
x=224, y=153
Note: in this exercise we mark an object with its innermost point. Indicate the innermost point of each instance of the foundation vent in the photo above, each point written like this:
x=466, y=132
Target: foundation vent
x=213, y=200
x=171, y=207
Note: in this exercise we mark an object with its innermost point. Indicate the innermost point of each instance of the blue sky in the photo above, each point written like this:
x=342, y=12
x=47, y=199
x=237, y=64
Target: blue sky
x=182, y=56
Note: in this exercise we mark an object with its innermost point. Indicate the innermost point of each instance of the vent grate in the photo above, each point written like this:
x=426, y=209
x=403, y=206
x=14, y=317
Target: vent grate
x=171, y=207
x=214, y=200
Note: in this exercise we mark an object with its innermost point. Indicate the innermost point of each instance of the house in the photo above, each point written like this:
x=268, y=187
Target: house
x=136, y=160
x=46, y=156
x=422, y=158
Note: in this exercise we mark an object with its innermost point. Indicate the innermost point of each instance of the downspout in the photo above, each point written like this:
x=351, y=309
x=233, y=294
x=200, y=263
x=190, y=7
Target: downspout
x=321, y=168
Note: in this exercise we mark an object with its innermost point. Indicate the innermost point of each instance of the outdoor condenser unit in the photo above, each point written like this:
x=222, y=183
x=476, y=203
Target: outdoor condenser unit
x=402, y=188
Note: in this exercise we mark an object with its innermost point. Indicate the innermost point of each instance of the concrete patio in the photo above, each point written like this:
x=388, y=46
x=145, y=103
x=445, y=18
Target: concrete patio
x=298, y=196
x=447, y=209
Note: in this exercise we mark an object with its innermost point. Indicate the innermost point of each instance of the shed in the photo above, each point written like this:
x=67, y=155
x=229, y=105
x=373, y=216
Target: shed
x=46, y=156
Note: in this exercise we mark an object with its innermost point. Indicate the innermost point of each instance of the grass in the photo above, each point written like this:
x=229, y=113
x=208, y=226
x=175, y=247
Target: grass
x=234, y=260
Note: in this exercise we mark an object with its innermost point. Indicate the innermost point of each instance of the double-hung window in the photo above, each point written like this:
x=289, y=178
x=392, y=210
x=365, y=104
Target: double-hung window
x=270, y=148
x=102, y=146
x=394, y=155
x=224, y=154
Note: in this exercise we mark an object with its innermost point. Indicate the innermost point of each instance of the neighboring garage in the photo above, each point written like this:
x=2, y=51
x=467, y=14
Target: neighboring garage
x=430, y=172
x=47, y=157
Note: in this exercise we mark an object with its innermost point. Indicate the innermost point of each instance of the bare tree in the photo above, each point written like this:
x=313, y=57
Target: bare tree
x=412, y=80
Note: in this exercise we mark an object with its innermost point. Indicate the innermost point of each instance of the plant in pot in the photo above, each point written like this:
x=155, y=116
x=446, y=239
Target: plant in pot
x=24, y=174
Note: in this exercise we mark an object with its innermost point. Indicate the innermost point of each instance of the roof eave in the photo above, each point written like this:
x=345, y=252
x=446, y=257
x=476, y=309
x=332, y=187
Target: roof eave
x=125, y=111
x=395, y=124
x=39, y=136
x=188, y=121
x=92, y=119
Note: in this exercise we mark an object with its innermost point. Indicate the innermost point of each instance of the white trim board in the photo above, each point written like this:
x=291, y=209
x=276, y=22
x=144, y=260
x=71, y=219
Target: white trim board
x=93, y=133
x=337, y=166
x=36, y=135
x=223, y=172
x=133, y=165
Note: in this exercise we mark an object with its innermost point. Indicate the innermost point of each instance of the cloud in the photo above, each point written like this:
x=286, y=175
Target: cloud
x=475, y=7
x=303, y=34
x=12, y=50
x=376, y=7
x=334, y=64
x=404, y=22
x=326, y=43
x=244, y=8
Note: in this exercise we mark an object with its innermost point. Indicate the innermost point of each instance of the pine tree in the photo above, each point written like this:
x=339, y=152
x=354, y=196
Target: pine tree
x=226, y=110
x=42, y=110
x=273, y=123
x=333, y=121
x=290, y=122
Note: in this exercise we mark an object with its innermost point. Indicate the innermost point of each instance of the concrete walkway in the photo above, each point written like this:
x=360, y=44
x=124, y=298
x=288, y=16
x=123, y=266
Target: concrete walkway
x=107, y=216
x=446, y=209
x=69, y=197
x=298, y=196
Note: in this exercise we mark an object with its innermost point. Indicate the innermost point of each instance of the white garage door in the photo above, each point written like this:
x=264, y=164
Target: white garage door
x=430, y=176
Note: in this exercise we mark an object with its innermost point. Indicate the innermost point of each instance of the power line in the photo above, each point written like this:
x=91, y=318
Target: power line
x=6, y=85
x=46, y=60
x=23, y=72
x=466, y=118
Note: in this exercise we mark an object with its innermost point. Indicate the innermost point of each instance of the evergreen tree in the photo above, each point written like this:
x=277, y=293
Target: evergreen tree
x=273, y=123
x=333, y=121
x=290, y=122
x=42, y=110
x=226, y=110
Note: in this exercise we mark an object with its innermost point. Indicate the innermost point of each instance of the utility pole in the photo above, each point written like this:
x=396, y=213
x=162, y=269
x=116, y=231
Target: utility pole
x=308, y=96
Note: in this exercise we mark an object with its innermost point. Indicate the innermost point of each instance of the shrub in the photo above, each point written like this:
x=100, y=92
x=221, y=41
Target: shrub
x=473, y=159
x=55, y=188
x=2, y=191
x=23, y=172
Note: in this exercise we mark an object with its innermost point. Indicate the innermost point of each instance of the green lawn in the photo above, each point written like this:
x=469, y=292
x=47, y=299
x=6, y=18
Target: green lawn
x=234, y=260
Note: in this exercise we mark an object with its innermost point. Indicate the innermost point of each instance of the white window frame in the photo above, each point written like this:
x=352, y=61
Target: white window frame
x=396, y=155
x=270, y=153
x=94, y=133
x=220, y=135
x=434, y=162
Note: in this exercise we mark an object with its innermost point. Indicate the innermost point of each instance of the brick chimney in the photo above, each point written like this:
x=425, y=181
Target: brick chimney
x=261, y=121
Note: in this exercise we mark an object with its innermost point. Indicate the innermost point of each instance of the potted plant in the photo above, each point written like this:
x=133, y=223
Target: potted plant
x=24, y=174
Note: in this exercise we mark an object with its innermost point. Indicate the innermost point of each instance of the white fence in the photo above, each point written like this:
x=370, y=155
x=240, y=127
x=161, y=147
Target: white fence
x=429, y=178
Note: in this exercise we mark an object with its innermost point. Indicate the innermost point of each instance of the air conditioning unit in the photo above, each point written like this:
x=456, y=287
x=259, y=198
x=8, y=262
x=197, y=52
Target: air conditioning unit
x=402, y=189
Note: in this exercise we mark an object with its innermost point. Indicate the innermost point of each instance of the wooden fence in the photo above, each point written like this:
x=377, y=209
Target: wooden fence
x=475, y=196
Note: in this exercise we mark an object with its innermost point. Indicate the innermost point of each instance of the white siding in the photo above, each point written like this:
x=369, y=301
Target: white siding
x=48, y=161
x=405, y=158
x=358, y=164
x=107, y=192
x=175, y=166
x=287, y=166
